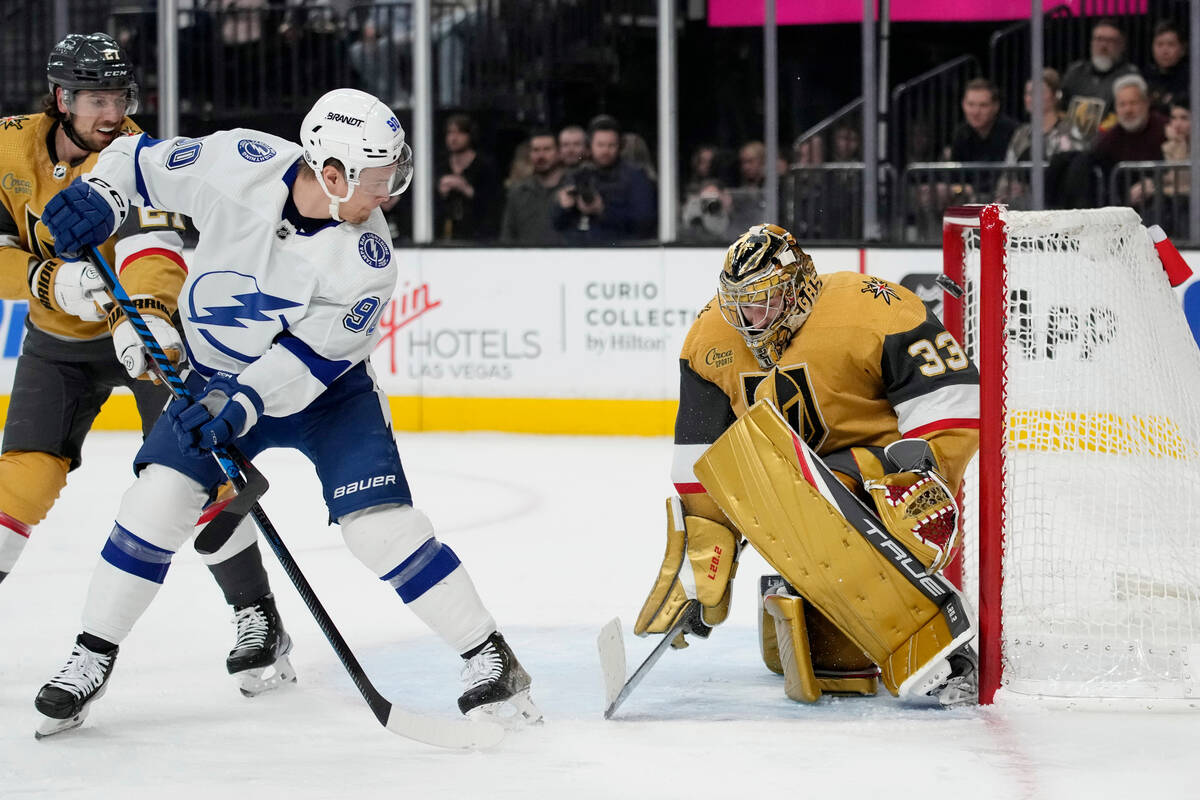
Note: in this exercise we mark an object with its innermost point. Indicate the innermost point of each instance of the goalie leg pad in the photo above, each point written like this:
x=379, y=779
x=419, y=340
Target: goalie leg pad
x=29, y=484
x=699, y=563
x=754, y=473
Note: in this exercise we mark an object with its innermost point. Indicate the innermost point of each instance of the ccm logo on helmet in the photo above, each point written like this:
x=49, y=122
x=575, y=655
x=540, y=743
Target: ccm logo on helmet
x=363, y=485
x=354, y=122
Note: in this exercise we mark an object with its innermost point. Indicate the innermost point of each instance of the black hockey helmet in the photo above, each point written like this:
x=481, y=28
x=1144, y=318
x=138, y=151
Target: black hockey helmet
x=89, y=61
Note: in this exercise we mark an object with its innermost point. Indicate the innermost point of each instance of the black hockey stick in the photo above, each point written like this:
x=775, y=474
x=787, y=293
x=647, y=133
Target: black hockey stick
x=612, y=657
x=453, y=733
x=249, y=482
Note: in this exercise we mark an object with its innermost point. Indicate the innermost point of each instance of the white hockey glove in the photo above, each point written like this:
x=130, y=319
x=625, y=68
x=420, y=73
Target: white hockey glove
x=129, y=348
x=72, y=287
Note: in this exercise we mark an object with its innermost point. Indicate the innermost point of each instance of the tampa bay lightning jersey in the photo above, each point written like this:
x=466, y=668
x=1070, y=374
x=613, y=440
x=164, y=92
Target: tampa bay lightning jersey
x=286, y=310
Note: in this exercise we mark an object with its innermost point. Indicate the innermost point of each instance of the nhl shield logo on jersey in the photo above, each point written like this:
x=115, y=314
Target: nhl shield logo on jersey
x=256, y=151
x=879, y=290
x=233, y=315
x=374, y=250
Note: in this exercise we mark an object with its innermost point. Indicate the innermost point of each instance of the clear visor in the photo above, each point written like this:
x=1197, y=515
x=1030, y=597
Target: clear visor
x=101, y=102
x=391, y=180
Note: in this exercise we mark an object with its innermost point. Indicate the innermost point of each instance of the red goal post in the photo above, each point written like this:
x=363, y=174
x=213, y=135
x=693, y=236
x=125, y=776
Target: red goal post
x=1082, y=510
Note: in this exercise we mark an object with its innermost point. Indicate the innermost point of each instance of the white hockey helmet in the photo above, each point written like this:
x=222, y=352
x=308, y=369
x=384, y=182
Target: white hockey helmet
x=360, y=132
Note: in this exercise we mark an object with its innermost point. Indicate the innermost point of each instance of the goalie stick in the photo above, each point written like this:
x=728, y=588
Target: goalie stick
x=612, y=657
x=459, y=734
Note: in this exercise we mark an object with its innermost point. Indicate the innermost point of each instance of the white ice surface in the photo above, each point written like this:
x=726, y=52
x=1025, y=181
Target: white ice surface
x=560, y=535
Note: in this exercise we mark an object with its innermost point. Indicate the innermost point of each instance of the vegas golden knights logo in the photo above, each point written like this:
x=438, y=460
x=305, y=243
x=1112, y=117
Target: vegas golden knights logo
x=792, y=392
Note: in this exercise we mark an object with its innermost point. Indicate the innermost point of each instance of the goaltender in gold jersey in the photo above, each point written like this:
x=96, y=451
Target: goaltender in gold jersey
x=74, y=352
x=787, y=375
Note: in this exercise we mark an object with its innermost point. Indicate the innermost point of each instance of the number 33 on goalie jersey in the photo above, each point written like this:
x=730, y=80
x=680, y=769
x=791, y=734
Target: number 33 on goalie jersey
x=870, y=365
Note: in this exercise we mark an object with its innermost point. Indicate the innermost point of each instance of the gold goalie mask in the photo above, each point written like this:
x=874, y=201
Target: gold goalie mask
x=767, y=289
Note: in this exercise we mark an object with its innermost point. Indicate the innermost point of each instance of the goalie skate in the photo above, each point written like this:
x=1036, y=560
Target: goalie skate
x=259, y=659
x=497, y=686
x=962, y=687
x=64, y=702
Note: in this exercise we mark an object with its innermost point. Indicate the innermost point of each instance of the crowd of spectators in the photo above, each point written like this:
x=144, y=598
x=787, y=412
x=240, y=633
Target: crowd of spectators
x=579, y=186
x=598, y=184
x=1103, y=112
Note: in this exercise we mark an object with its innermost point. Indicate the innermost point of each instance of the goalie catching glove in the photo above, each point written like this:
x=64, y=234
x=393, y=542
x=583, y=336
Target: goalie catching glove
x=912, y=500
x=128, y=345
x=699, y=564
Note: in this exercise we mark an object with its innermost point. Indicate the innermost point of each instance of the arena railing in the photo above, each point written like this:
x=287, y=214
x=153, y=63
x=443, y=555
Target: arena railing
x=850, y=114
x=926, y=109
x=1008, y=55
x=927, y=189
x=824, y=202
x=1159, y=191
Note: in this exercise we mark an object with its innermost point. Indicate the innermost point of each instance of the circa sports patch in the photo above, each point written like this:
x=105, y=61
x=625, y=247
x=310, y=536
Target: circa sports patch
x=374, y=250
x=254, y=150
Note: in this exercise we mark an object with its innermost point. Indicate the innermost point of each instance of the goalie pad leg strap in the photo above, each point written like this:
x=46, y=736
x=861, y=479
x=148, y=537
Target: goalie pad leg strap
x=755, y=473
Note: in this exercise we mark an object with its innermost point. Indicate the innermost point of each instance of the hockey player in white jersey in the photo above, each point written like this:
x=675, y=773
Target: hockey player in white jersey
x=291, y=272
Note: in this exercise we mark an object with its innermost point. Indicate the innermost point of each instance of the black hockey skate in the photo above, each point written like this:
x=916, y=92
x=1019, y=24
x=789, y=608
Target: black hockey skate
x=497, y=685
x=259, y=659
x=64, y=701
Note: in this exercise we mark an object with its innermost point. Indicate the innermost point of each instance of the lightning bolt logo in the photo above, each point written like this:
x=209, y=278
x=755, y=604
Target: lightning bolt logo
x=249, y=306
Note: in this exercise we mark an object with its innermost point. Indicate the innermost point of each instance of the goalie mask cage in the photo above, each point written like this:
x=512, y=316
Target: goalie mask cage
x=1082, y=509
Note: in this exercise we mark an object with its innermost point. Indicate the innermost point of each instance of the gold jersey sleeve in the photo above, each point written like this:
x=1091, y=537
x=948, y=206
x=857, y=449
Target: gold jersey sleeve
x=870, y=365
x=149, y=264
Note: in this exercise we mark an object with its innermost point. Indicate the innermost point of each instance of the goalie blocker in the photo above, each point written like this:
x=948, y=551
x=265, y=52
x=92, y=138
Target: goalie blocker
x=825, y=542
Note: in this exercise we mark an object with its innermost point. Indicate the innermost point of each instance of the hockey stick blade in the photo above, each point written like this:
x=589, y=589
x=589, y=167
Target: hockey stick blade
x=612, y=659
x=453, y=734
x=218, y=529
x=608, y=658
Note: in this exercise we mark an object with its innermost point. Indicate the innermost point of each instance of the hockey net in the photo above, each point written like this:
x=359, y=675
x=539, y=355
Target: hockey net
x=1082, y=511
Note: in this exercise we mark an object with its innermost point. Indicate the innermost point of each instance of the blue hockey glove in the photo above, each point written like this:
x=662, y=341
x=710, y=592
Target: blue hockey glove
x=216, y=419
x=84, y=214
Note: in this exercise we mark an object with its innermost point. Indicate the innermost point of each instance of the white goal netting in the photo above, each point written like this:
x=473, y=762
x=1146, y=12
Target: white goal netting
x=1101, y=485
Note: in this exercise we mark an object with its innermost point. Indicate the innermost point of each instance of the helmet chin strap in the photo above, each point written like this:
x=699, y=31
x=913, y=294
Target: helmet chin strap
x=334, y=201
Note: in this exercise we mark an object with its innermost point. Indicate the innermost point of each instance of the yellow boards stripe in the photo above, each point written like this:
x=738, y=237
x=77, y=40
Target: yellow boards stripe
x=1079, y=431
x=508, y=414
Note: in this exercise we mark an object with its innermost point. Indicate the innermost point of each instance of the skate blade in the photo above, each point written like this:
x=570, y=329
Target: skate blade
x=253, y=682
x=515, y=712
x=49, y=726
x=959, y=692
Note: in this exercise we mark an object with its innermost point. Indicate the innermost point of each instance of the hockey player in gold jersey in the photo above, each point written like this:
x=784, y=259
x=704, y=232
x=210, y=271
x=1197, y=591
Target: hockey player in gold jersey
x=74, y=353
x=785, y=376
